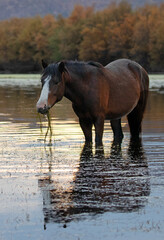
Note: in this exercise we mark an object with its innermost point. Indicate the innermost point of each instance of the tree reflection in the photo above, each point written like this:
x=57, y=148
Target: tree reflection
x=115, y=183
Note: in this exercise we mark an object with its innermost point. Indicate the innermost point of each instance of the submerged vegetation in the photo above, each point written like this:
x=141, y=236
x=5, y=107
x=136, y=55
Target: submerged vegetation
x=49, y=128
x=115, y=32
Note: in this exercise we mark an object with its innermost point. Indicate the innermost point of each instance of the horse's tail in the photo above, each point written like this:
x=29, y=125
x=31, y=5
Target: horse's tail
x=135, y=117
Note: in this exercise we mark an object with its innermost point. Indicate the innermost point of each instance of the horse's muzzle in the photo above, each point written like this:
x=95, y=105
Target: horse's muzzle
x=43, y=110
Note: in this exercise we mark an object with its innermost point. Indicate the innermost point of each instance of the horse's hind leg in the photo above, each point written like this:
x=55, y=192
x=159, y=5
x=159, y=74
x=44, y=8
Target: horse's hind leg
x=135, y=120
x=117, y=130
x=135, y=117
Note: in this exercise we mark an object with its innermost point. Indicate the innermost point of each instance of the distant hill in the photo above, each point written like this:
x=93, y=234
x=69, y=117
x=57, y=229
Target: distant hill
x=30, y=8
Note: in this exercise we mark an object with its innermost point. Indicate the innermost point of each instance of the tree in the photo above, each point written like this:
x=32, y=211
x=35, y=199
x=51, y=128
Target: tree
x=94, y=44
x=107, y=35
x=140, y=49
x=156, y=39
x=121, y=38
x=115, y=32
x=67, y=37
x=9, y=44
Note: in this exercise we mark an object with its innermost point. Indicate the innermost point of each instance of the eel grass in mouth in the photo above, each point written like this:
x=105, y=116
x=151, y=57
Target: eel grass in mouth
x=49, y=127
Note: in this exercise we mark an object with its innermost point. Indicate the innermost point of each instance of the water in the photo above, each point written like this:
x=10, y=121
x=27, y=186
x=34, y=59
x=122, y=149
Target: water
x=64, y=192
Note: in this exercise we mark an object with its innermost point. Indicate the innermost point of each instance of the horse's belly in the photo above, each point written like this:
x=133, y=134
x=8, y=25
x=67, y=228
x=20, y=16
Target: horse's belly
x=118, y=109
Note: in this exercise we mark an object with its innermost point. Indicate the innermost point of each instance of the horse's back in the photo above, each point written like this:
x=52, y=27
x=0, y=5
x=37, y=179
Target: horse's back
x=125, y=79
x=122, y=65
x=121, y=61
x=125, y=70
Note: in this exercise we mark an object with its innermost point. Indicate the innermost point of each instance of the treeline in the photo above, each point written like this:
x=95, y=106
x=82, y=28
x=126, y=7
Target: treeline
x=116, y=32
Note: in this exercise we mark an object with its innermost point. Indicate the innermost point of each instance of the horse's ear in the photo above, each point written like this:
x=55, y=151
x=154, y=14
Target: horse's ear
x=61, y=67
x=44, y=64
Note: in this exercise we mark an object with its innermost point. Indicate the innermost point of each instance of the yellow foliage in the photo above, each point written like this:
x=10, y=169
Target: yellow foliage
x=115, y=32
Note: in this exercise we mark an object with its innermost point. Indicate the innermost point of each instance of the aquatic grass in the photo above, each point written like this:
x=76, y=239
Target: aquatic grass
x=41, y=125
x=49, y=128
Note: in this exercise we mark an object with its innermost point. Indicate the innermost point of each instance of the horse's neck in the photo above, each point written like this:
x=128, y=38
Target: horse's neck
x=74, y=88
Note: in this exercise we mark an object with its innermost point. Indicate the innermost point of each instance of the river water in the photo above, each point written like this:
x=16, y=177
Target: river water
x=61, y=191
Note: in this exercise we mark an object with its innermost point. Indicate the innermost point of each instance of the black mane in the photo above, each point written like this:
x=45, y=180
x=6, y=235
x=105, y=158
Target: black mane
x=51, y=69
x=77, y=67
x=95, y=64
x=84, y=64
x=80, y=68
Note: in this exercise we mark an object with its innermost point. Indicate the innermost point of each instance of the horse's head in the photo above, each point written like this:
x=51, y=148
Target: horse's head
x=53, y=86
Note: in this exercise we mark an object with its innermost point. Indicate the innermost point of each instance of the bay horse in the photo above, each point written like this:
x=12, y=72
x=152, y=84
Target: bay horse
x=98, y=93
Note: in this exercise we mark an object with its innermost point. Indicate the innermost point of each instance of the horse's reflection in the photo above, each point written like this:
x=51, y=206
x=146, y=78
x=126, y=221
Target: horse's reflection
x=116, y=183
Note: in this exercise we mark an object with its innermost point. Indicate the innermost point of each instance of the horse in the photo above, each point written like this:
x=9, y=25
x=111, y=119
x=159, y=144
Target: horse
x=97, y=94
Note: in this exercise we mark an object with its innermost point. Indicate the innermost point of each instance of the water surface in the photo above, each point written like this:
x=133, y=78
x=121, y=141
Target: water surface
x=64, y=191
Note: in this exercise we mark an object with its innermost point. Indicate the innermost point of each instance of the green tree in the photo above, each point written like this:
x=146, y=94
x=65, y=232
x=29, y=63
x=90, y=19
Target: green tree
x=9, y=44
x=67, y=37
x=29, y=40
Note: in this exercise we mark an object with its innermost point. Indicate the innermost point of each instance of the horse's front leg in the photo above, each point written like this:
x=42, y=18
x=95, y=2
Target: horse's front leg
x=99, y=128
x=117, y=130
x=86, y=125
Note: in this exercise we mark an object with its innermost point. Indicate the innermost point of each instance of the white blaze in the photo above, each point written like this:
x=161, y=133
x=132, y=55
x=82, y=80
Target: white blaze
x=43, y=100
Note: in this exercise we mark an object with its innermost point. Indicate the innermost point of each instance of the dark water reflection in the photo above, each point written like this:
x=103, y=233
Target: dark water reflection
x=101, y=184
